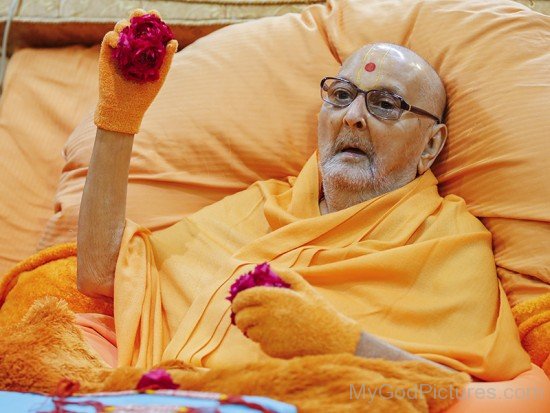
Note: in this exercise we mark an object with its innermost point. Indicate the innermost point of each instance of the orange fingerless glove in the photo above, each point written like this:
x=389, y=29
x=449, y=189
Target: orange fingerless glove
x=122, y=103
x=296, y=321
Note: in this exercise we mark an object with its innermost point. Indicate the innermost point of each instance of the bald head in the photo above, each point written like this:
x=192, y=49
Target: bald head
x=371, y=143
x=386, y=59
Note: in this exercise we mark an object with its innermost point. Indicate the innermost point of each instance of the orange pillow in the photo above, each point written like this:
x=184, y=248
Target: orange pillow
x=240, y=105
x=46, y=93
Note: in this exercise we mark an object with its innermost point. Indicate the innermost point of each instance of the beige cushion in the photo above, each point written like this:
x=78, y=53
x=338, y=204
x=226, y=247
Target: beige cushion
x=542, y=6
x=39, y=23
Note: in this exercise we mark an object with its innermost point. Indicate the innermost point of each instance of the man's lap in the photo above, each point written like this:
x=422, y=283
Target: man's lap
x=99, y=332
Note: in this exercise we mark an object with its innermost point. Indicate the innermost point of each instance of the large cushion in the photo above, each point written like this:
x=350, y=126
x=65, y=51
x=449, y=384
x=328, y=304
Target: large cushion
x=240, y=105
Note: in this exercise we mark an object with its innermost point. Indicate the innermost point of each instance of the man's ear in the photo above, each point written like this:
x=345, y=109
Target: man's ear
x=433, y=147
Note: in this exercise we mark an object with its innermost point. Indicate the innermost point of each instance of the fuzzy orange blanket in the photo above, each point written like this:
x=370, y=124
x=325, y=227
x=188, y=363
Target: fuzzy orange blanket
x=49, y=272
x=45, y=347
x=533, y=320
x=52, y=272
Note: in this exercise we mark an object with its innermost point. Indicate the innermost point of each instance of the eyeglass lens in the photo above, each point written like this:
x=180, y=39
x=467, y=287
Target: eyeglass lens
x=379, y=103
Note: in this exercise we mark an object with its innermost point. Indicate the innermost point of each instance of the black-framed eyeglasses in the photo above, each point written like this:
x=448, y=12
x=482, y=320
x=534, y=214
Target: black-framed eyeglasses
x=380, y=103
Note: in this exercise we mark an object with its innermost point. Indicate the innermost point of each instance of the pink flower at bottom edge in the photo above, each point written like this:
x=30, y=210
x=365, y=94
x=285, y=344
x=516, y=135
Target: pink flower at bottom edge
x=156, y=380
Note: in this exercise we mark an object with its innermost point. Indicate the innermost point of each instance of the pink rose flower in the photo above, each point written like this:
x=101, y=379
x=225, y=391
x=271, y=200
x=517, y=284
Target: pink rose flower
x=260, y=276
x=156, y=380
x=141, y=48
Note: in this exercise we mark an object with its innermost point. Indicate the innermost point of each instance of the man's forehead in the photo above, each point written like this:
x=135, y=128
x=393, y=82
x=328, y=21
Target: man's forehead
x=381, y=66
x=389, y=84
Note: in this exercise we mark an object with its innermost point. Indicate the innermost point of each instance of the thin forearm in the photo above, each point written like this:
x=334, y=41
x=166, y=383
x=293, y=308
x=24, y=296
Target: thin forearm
x=102, y=212
x=372, y=347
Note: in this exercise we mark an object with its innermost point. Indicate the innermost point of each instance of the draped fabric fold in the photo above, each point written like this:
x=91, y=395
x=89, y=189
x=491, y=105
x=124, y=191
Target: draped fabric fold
x=411, y=267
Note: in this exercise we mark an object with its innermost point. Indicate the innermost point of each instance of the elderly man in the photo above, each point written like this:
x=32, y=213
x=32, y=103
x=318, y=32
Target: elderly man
x=378, y=263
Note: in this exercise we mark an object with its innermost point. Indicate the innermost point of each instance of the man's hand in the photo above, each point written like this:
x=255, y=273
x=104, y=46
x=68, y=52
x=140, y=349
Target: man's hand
x=122, y=103
x=296, y=321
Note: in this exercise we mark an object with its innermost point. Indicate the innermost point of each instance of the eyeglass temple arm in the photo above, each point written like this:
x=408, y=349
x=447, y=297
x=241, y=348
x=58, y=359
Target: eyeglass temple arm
x=419, y=111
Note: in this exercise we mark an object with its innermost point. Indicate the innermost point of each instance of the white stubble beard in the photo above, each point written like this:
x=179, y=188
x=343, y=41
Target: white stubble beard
x=348, y=183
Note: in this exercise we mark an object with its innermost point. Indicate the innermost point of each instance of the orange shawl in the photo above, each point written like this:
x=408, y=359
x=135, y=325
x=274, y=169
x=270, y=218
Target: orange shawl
x=411, y=267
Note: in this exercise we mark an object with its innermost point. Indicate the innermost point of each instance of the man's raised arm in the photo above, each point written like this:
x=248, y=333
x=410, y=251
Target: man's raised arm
x=129, y=79
x=102, y=213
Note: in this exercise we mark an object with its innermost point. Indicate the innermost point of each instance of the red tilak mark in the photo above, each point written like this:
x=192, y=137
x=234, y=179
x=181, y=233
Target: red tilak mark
x=369, y=67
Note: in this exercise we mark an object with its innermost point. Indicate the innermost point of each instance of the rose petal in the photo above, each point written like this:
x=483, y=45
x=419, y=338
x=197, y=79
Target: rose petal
x=150, y=26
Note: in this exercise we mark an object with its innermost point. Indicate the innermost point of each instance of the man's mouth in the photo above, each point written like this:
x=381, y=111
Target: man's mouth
x=353, y=151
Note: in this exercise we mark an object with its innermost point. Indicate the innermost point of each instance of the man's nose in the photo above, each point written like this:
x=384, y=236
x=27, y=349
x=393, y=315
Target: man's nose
x=356, y=115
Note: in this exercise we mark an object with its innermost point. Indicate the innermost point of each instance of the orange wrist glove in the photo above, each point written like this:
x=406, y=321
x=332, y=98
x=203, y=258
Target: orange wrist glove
x=296, y=321
x=122, y=103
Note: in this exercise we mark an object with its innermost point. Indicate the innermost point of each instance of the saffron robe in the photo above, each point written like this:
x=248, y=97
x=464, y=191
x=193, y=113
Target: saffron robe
x=413, y=268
